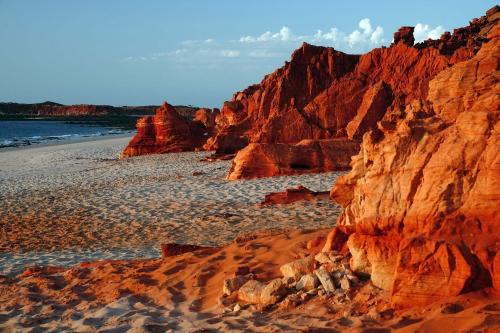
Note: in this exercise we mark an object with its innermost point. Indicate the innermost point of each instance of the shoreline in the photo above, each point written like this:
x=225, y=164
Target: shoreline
x=72, y=140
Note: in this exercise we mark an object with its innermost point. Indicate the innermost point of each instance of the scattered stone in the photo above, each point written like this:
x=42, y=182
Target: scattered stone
x=237, y=307
x=290, y=301
x=303, y=296
x=353, y=278
x=297, y=268
x=312, y=292
x=251, y=292
x=231, y=285
x=345, y=283
x=325, y=279
x=307, y=282
x=273, y=292
x=198, y=173
x=289, y=282
x=322, y=258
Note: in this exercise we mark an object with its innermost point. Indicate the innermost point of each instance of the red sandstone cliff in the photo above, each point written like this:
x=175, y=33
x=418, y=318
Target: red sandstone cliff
x=329, y=99
x=421, y=202
x=343, y=104
x=168, y=132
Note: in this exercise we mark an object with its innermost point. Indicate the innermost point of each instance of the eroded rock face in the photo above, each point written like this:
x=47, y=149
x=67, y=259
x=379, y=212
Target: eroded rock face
x=431, y=181
x=308, y=156
x=318, y=96
x=278, y=113
x=168, y=132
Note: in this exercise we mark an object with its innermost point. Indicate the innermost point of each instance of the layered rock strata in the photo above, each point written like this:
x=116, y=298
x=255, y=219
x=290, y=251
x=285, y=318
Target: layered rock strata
x=421, y=202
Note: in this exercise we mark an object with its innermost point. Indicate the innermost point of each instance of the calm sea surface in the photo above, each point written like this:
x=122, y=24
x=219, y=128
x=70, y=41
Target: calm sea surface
x=25, y=133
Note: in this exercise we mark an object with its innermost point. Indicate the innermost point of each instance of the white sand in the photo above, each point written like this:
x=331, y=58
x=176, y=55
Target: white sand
x=68, y=203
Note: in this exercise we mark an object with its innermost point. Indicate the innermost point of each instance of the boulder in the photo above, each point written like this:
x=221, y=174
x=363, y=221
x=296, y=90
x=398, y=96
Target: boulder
x=335, y=241
x=296, y=269
x=232, y=285
x=292, y=195
x=175, y=249
x=427, y=271
x=251, y=292
x=273, y=292
x=307, y=282
x=325, y=279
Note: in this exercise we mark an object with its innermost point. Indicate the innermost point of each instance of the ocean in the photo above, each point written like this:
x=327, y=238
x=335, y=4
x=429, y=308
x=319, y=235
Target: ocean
x=31, y=132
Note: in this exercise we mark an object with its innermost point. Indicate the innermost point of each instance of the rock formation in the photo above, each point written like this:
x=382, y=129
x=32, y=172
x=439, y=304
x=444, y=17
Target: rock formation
x=307, y=156
x=341, y=103
x=421, y=202
x=330, y=99
x=168, y=132
x=292, y=195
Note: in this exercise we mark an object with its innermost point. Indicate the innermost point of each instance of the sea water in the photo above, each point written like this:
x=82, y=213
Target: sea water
x=29, y=132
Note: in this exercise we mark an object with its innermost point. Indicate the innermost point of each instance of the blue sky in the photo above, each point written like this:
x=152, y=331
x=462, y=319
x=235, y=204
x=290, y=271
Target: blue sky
x=199, y=52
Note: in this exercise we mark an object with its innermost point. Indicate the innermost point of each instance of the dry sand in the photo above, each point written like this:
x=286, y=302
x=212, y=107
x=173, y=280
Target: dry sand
x=181, y=294
x=64, y=204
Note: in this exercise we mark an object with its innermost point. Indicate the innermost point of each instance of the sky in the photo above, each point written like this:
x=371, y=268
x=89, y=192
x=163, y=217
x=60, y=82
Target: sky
x=190, y=52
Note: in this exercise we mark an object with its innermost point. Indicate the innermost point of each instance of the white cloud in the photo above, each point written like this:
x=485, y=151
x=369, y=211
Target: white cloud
x=273, y=47
x=366, y=26
x=423, y=32
x=285, y=34
x=360, y=40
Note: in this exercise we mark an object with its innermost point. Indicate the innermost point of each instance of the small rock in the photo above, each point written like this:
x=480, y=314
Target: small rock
x=303, y=296
x=321, y=292
x=233, y=284
x=290, y=301
x=312, y=292
x=307, y=282
x=297, y=268
x=353, y=278
x=251, y=291
x=322, y=258
x=345, y=283
x=273, y=292
x=237, y=308
x=289, y=282
x=325, y=279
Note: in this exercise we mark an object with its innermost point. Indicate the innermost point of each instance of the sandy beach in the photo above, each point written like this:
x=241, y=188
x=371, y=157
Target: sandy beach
x=67, y=203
